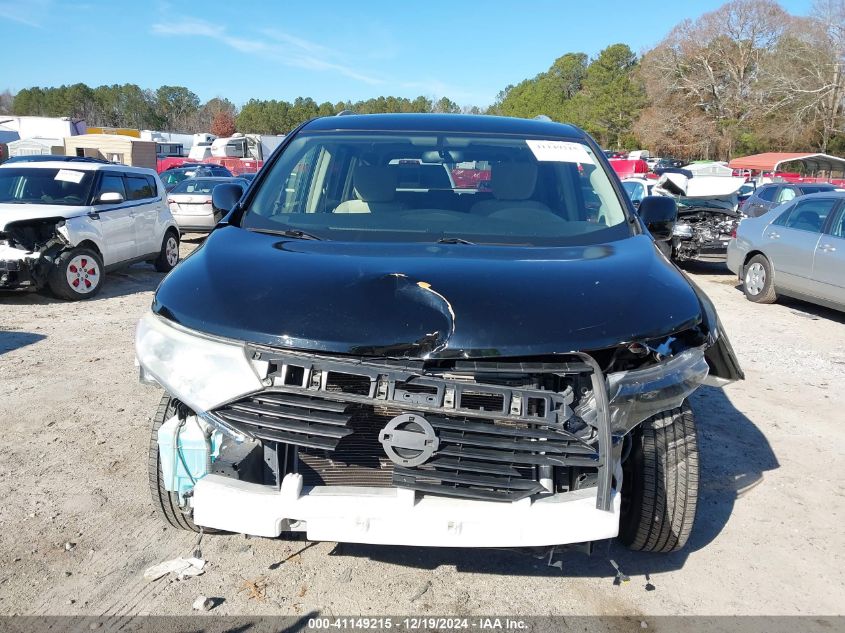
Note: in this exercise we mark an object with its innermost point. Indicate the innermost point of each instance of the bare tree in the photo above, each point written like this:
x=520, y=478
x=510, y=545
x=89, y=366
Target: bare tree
x=829, y=18
x=6, y=101
x=716, y=64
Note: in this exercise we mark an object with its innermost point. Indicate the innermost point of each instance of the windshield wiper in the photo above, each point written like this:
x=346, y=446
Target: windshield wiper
x=295, y=233
x=454, y=240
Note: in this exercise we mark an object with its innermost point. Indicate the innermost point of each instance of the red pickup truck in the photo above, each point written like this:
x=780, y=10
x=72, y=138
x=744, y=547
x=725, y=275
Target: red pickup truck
x=625, y=168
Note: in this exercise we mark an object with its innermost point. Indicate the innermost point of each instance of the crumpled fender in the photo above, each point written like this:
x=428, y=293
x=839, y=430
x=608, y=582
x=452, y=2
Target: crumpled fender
x=718, y=353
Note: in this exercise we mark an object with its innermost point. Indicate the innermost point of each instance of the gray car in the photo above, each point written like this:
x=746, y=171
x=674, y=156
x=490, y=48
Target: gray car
x=190, y=203
x=796, y=249
x=774, y=194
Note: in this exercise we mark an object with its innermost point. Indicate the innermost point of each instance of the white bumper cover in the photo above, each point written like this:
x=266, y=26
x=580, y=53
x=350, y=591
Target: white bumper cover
x=390, y=516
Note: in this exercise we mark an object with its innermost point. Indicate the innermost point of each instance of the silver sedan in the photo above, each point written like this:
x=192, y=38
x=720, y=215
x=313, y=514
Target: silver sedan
x=190, y=203
x=796, y=249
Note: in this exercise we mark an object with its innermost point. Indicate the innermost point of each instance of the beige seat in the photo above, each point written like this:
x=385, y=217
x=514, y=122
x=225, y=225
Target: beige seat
x=512, y=185
x=375, y=188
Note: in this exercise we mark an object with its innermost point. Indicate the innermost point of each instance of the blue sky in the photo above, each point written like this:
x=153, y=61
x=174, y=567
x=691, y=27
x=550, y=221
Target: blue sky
x=327, y=50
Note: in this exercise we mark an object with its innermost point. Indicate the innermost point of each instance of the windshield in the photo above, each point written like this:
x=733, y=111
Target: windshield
x=428, y=187
x=635, y=190
x=170, y=178
x=69, y=187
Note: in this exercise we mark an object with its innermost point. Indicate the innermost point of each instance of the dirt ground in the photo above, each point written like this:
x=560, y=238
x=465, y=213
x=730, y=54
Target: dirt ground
x=77, y=527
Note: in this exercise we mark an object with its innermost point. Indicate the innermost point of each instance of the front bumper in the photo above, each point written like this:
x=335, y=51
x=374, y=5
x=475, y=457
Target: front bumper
x=688, y=249
x=16, y=269
x=393, y=516
x=712, y=252
x=506, y=469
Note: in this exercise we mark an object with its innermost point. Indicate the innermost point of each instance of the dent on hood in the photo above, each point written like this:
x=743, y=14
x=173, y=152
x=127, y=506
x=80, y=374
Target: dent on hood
x=420, y=292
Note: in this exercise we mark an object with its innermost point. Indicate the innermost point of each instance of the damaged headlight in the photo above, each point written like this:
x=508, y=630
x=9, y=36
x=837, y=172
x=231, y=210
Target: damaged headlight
x=200, y=371
x=636, y=395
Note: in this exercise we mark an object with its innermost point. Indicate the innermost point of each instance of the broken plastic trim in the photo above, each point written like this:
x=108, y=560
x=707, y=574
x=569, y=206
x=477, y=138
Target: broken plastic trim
x=635, y=396
x=300, y=374
x=224, y=427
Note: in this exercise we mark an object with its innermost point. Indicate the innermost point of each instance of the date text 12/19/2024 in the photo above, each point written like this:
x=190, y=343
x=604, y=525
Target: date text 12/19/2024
x=418, y=624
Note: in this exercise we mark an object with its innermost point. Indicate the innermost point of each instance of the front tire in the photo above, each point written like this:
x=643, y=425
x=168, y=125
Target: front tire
x=660, y=485
x=758, y=280
x=168, y=256
x=77, y=274
x=165, y=502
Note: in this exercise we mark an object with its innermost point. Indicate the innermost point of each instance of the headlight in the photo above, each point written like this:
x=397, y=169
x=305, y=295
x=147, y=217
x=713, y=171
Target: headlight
x=202, y=372
x=682, y=230
x=636, y=395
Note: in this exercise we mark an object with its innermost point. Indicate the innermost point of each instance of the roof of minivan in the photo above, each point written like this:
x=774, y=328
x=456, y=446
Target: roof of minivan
x=454, y=123
x=835, y=193
x=798, y=185
x=74, y=166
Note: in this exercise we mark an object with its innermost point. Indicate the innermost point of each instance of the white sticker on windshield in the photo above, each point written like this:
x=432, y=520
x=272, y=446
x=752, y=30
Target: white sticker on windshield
x=560, y=151
x=68, y=175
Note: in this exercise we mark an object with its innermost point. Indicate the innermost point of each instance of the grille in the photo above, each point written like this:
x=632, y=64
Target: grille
x=498, y=424
x=357, y=460
x=290, y=418
x=493, y=460
x=482, y=401
x=477, y=458
x=347, y=383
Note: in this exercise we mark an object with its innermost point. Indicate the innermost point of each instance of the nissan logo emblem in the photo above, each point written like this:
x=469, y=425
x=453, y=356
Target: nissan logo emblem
x=408, y=440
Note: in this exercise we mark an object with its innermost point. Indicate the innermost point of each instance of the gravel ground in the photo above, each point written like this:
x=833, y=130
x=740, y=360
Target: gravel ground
x=77, y=527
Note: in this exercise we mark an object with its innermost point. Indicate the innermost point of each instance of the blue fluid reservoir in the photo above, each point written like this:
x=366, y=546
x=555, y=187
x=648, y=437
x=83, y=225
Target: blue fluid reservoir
x=184, y=452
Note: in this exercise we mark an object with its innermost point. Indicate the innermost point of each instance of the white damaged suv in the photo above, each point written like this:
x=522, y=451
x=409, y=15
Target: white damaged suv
x=63, y=224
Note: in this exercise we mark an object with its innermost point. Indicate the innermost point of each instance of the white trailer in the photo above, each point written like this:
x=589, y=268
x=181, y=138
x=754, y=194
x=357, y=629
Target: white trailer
x=43, y=126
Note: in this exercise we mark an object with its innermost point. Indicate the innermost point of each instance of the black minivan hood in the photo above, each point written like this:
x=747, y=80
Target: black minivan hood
x=421, y=299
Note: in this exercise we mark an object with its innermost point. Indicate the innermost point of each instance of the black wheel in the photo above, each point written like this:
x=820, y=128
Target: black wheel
x=758, y=281
x=660, y=485
x=166, y=503
x=168, y=257
x=76, y=274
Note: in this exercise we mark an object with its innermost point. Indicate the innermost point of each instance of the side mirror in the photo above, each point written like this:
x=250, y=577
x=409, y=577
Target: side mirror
x=225, y=196
x=110, y=197
x=659, y=214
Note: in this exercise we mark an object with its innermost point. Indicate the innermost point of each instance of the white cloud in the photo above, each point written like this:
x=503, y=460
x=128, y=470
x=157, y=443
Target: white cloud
x=271, y=44
x=29, y=12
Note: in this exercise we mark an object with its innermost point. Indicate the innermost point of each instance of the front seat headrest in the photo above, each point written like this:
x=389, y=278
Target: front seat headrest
x=375, y=184
x=809, y=218
x=513, y=181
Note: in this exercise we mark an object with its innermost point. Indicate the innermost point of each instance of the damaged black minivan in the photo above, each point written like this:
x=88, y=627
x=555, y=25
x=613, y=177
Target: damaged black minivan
x=438, y=330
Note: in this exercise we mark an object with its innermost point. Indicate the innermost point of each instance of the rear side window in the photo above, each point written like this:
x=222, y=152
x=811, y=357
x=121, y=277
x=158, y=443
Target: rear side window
x=807, y=215
x=767, y=193
x=139, y=188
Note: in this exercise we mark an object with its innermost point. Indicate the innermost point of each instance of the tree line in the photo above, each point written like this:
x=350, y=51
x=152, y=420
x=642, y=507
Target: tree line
x=745, y=78
x=178, y=109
